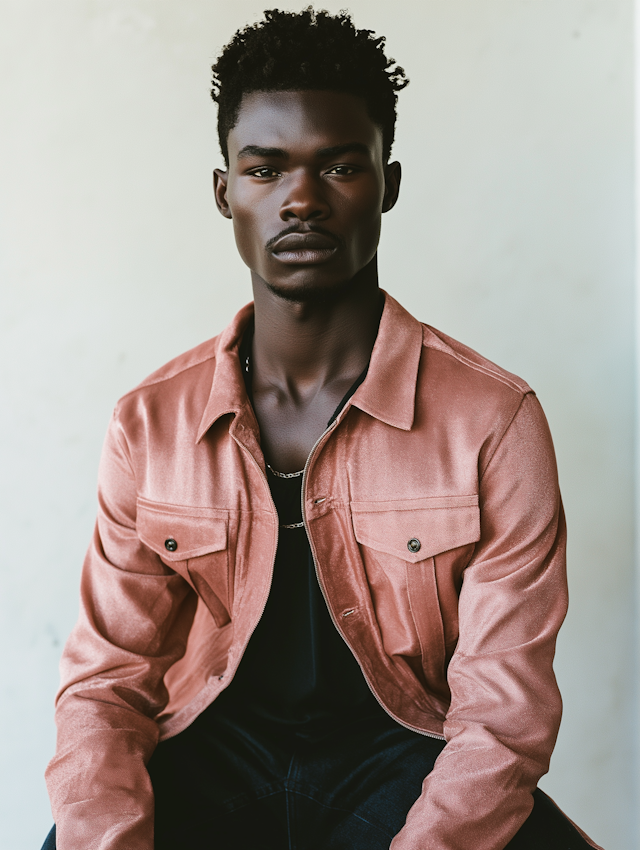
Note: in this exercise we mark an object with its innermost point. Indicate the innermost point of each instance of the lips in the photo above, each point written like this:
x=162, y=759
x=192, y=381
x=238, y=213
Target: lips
x=305, y=248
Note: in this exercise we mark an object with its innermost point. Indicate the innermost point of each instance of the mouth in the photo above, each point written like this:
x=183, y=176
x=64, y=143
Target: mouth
x=305, y=248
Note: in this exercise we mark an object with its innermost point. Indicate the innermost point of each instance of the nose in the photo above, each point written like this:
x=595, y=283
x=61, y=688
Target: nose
x=305, y=198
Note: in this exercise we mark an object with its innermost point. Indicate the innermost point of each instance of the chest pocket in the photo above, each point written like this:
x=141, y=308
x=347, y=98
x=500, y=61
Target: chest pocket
x=412, y=549
x=416, y=529
x=194, y=542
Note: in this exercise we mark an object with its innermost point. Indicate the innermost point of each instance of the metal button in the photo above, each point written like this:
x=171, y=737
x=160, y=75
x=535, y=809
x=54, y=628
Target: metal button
x=170, y=544
x=414, y=545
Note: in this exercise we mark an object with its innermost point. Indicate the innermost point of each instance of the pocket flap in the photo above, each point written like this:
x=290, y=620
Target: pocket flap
x=415, y=529
x=192, y=531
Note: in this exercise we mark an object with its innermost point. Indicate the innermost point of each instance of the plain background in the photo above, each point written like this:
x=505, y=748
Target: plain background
x=514, y=233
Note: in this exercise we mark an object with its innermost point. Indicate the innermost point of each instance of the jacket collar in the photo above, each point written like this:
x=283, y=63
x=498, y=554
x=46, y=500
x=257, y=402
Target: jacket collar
x=387, y=393
x=228, y=393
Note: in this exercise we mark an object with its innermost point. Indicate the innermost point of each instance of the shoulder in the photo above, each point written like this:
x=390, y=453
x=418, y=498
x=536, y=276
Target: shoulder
x=474, y=366
x=195, y=368
x=180, y=369
x=471, y=399
x=443, y=364
x=174, y=395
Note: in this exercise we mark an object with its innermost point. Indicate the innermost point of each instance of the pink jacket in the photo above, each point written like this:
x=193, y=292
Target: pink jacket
x=454, y=631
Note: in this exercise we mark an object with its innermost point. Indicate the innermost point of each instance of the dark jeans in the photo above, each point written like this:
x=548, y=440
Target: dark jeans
x=216, y=786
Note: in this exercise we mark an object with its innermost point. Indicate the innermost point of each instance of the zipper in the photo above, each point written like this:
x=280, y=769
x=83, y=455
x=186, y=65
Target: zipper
x=322, y=590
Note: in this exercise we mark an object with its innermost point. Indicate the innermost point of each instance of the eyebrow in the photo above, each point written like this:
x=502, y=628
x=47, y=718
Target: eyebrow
x=322, y=153
x=349, y=147
x=255, y=150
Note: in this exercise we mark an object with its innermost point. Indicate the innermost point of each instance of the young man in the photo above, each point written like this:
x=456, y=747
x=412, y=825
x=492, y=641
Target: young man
x=321, y=603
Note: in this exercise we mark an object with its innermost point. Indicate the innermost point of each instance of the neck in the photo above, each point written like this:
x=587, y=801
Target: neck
x=312, y=343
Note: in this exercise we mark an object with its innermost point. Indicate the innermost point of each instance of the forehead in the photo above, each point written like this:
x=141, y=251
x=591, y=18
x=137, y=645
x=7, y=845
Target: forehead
x=303, y=119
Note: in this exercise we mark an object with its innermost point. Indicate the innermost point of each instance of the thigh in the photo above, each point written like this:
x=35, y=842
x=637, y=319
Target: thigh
x=353, y=790
x=355, y=793
x=215, y=784
x=547, y=826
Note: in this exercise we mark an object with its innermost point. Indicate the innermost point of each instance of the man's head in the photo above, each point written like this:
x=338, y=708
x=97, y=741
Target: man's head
x=307, y=50
x=306, y=122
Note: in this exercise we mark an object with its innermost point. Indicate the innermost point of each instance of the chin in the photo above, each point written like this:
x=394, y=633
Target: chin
x=305, y=293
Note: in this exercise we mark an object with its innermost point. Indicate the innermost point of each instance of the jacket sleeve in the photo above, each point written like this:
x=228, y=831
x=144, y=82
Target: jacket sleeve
x=135, y=617
x=505, y=709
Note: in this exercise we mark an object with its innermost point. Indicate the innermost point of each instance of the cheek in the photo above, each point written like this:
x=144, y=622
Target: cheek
x=243, y=232
x=366, y=244
x=247, y=231
x=367, y=219
x=362, y=207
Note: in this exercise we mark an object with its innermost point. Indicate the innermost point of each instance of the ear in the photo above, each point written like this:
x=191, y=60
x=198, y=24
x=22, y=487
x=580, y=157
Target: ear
x=392, y=176
x=220, y=191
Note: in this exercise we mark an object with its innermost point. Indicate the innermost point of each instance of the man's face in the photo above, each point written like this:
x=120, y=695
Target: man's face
x=306, y=187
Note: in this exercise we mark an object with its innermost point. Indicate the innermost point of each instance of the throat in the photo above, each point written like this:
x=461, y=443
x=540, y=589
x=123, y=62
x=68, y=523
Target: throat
x=290, y=426
x=301, y=370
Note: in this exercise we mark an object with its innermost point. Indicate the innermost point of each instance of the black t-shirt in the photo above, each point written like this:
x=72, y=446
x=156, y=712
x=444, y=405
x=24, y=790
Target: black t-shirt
x=297, y=673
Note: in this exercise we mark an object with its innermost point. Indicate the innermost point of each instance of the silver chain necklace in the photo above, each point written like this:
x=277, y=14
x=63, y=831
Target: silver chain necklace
x=284, y=474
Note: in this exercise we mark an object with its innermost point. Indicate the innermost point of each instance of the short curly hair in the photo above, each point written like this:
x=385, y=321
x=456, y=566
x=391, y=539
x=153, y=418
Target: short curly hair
x=307, y=50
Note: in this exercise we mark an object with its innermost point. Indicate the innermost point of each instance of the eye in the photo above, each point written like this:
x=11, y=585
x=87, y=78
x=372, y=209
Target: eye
x=342, y=170
x=264, y=172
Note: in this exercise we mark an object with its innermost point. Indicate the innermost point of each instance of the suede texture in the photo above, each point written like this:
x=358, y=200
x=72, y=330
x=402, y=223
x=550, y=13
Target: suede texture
x=456, y=637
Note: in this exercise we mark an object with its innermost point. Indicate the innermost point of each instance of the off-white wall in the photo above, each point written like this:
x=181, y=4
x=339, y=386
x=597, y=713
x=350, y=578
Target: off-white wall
x=514, y=233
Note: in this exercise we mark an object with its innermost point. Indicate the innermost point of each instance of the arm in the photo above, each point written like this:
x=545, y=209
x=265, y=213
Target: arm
x=135, y=616
x=505, y=709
